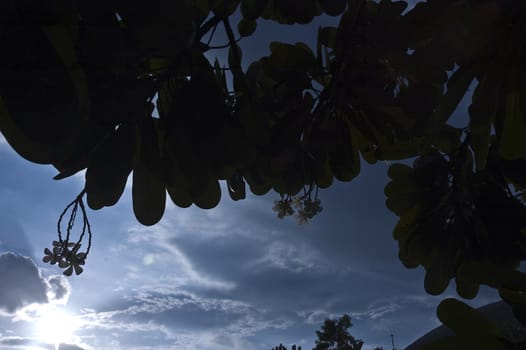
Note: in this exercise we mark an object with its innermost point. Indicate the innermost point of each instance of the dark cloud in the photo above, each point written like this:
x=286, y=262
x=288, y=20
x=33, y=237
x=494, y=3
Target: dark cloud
x=19, y=342
x=20, y=283
x=59, y=287
x=14, y=341
x=69, y=347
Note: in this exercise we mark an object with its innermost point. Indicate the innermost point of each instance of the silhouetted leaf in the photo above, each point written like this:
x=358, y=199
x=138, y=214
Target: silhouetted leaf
x=45, y=129
x=469, y=325
x=148, y=187
x=110, y=166
x=207, y=196
x=438, y=275
x=246, y=27
x=511, y=139
x=482, y=115
x=236, y=187
x=333, y=7
x=224, y=8
x=252, y=9
x=148, y=194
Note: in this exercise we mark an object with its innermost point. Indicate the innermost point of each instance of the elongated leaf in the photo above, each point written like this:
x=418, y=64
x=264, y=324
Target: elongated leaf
x=109, y=168
x=333, y=7
x=207, y=196
x=148, y=189
x=246, y=27
x=236, y=187
x=438, y=275
x=176, y=186
x=42, y=108
x=468, y=323
x=148, y=194
x=512, y=143
x=493, y=275
x=457, y=87
x=252, y=9
x=482, y=114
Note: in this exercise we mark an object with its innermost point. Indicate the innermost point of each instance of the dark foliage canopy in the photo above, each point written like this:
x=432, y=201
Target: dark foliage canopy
x=78, y=81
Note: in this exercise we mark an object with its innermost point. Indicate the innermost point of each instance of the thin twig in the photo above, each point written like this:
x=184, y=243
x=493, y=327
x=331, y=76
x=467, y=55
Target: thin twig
x=211, y=23
x=211, y=35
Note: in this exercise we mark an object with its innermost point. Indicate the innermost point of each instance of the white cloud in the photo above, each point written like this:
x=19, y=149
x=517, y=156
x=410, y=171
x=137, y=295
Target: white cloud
x=379, y=309
x=23, y=285
x=59, y=289
x=168, y=317
x=316, y=316
x=287, y=256
x=377, y=312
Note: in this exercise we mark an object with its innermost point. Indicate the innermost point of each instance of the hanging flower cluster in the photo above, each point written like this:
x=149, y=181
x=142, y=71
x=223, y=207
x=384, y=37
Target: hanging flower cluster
x=283, y=206
x=64, y=252
x=307, y=208
x=304, y=206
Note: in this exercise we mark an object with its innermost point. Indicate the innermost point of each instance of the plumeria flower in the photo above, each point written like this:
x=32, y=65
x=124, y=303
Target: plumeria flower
x=61, y=247
x=63, y=252
x=73, y=264
x=57, y=247
x=73, y=261
x=296, y=201
x=307, y=209
x=51, y=257
x=303, y=217
x=313, y=207
x=283, y=208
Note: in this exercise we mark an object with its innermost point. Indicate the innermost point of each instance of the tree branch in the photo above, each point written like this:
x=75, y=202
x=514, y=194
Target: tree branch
x=211, y=23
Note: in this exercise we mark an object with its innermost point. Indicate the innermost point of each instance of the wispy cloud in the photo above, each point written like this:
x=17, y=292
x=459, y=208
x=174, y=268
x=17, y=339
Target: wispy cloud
x=159, y=253
x=316, y=317
x=381, y=308
x=287, y=256
x=178, y=318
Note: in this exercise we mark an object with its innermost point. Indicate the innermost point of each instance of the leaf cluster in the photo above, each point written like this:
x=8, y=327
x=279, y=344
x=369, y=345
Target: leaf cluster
x=334, y=335
x=119, y=87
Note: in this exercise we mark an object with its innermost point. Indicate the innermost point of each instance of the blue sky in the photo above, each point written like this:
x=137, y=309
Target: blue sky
x=234, y=277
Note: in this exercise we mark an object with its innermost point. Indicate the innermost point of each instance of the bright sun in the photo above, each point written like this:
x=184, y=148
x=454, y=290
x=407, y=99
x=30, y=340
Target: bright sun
x=55, y=326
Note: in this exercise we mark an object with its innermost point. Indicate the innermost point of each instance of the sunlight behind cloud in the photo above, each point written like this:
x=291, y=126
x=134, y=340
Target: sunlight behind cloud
x=55, y=326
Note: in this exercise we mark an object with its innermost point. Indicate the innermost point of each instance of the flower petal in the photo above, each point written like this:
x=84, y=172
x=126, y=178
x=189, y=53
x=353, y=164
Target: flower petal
x=68, y=271
x=78, y=269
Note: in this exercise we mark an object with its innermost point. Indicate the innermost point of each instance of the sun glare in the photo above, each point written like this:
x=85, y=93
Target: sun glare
x=56, y=326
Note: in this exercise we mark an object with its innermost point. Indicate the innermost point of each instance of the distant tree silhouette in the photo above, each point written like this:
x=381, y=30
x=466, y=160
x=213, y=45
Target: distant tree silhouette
x=282, y=347
x=334, y=335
